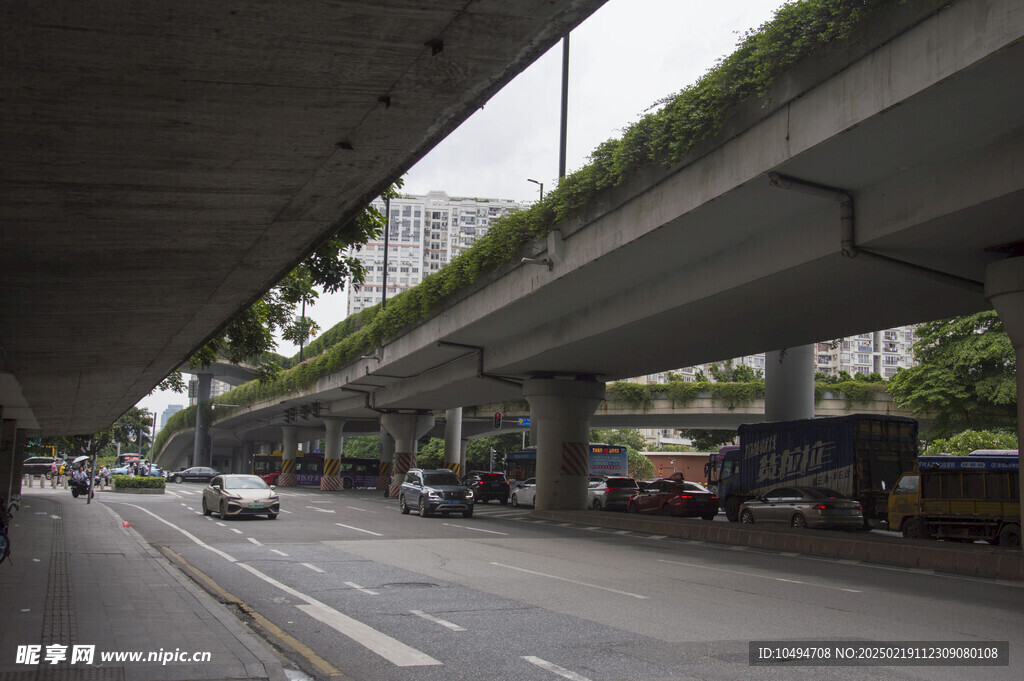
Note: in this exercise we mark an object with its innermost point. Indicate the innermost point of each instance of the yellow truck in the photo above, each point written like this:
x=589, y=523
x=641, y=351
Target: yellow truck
x=960, y=498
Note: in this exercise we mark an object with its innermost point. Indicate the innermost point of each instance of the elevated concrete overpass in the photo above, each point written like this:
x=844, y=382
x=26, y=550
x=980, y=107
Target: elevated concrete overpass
x=877, y=186
x=164, y=165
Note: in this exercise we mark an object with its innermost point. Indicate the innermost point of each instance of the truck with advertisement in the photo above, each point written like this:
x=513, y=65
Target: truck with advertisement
x=609, y=460
x=860, y=456
x=960, y=498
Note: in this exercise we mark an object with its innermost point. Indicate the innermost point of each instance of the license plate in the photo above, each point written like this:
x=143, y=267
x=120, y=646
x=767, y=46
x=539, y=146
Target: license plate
x=844, y=511
x=255, y=505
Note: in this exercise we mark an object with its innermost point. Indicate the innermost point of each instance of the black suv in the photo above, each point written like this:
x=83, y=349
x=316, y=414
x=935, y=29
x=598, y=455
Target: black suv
x=437, y=491
x=487, y=486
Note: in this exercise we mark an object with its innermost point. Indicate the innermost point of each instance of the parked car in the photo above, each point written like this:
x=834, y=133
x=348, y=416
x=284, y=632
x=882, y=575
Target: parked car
x=154, y=471
x=804, y=507
x=233, y=495
x=194, y=474
x=677, y=499
x=524, y=492
x=39, y=465
x=612, y=493
x=487, y=485
x=435, y=491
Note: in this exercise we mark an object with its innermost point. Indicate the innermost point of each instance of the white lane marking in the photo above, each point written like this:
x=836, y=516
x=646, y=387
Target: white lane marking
x=197, y=512
x=322, y=510
x=184, y=504
x=395, y=652
x=752, y=574
x=284, y=511
x=280, y=553
x=314, y=568
x=222, y=524
x=554, y=668
x=349, y=527
x=390, y=649
x=364, y=510
x=476, y=529
x=622, y=532
x=438, y=620
x=657, y=536
x=571, y=581
x=360, y=588
x=236, y=531
x=257, y=542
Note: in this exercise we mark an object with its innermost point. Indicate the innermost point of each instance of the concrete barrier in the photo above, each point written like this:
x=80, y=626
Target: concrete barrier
x=975, y=560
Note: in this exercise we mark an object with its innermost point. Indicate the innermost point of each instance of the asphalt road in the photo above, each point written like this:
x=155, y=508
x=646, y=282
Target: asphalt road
x=382, y=596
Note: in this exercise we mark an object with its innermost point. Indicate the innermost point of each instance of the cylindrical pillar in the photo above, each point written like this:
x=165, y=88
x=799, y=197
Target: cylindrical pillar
x=561, y=411
x=789, y=384
x=202, y=455
x=453, y=440
x=406, y=429
x=1004, y=288
x=288, y=478
x=330, y=479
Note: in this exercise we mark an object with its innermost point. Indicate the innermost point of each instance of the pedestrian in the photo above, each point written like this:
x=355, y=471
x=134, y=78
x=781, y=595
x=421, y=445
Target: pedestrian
x=53, y=473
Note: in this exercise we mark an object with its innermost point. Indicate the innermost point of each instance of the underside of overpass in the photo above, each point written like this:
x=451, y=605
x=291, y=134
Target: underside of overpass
x=164, y=165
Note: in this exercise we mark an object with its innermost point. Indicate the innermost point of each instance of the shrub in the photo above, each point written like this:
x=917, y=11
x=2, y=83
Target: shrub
x=139, y=482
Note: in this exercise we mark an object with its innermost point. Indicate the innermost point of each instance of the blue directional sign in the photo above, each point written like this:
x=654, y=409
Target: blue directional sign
x=523, y=421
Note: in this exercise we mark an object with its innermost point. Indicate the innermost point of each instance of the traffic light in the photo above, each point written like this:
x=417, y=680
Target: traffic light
x=497, y=420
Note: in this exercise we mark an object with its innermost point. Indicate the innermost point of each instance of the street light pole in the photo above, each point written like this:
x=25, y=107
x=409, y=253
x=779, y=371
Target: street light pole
x=541, y=187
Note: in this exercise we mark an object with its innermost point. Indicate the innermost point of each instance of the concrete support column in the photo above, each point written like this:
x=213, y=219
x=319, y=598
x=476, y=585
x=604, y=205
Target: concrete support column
x=560, y=411
x=1004, y=288
x=330, y=480
x=462, y=454
x=453, y=440
x=406, y=429
x=288, y=478
x=387, y=461
x=789, y=384
x=248, y=455
x=202, y=455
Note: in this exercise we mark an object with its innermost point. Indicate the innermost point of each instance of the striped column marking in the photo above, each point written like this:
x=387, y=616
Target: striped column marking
x=287, y=477
x=330, y=481
x=384, y=475
x=455, y=468
x=403, y=462
x=575, y=458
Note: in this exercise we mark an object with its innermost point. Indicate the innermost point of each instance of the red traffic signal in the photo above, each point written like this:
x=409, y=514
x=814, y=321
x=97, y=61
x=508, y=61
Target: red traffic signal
x=497, y=420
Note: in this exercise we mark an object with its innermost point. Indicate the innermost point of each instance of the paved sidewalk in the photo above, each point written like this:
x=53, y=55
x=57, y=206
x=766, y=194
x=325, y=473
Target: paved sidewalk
x=76, y=576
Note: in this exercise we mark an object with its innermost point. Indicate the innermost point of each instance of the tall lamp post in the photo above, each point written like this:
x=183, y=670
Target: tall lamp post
x=541, y=187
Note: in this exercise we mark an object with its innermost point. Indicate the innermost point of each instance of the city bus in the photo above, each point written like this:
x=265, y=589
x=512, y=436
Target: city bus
x=309, y=467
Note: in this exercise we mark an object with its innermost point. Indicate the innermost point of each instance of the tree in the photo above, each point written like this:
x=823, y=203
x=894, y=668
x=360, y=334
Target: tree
x=965, y=442
x=624, y=437
x=709, y=440
x=640, y=467
x=966, y=375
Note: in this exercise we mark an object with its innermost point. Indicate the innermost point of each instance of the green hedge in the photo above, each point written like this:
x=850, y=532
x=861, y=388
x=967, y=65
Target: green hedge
x=731, y=395
x=139, y=482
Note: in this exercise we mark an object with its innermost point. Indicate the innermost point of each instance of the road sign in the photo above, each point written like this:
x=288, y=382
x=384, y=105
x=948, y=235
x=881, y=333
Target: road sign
x=523, y=421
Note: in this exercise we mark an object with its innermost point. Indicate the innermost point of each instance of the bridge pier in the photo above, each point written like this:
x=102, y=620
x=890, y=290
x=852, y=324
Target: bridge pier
x=453, y=440
x=406, y=429
x=330, y=480
x=561, y=410
x=288, y=444
x=202, y=452
x=789, y=384
x=1004, y=288
x=387, y=461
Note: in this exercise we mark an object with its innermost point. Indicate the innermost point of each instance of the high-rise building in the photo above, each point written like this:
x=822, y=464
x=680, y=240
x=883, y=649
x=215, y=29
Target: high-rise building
x=425, y=234
x=170, y=411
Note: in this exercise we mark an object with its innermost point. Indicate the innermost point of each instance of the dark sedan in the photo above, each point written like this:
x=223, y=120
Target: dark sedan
x=804, y=507
x=194, y=474
x=612, y=493
x=675, y=498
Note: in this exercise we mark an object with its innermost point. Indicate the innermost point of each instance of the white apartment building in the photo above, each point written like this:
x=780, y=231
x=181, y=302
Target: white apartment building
x=425, y=234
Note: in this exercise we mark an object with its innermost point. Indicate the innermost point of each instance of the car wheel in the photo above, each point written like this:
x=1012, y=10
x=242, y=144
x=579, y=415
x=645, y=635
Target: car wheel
x=596, y=505
x=468, y=513
x=223, y=510
x=74, y=493
x=732, y=509
x=799, y=521
x=503, y=501
x=272, y=516
x=515, y=500
x=423, y=508
x=178, y=479
x=747, y=517
x=1010, y=536
x=206, y=509
x=633, y=508
x=402, y=506
x=666, y=509
x=913, y=528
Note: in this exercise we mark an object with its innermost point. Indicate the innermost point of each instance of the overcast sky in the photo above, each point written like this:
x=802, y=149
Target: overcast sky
x=623, y=59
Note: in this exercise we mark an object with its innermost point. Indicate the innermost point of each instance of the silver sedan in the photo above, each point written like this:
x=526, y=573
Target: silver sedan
x=804, y=507
x=233, y=495
x=524, y=492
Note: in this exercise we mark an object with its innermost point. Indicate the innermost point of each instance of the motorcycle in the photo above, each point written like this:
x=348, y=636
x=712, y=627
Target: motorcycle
x=80, y=487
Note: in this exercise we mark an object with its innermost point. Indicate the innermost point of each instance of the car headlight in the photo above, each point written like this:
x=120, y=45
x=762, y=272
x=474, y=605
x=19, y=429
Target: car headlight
x=433, y=494
x=468, y=494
